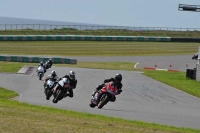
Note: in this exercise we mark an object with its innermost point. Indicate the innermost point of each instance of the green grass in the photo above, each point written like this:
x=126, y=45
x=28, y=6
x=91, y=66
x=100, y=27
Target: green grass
x=129, y=66
x=19, y=117
x=6, y=94
x=12, y=67
x=107, y=32
x=177, y=80
x=90, y=48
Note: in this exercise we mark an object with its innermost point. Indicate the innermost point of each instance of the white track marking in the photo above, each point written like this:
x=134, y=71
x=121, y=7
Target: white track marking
x=136, y=65
x=20, y=95
x=162, y=69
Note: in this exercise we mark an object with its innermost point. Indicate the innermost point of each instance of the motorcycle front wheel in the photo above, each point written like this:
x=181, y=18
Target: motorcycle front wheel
x=92, y=105
x=48, y=93
x=57, y=97
x=104, y=100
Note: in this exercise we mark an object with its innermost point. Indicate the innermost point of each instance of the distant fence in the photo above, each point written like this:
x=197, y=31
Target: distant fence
x=89, y=27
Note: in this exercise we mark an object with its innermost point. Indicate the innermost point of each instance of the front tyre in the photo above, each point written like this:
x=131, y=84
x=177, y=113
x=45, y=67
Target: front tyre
x=104, y=100
x=57, y=97
x=92, y=105
x=48, y=93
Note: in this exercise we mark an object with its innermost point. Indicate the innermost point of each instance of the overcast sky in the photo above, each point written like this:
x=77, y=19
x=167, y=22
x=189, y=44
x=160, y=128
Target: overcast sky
x=149, y=13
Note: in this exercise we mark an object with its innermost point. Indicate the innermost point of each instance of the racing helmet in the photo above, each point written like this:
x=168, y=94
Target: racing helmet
x=72, y=75
x=53, y=73
x=66, y=81
x=118, y=77
x=41, y=63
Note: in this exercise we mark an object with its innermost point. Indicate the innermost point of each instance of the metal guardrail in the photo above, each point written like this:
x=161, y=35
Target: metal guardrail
x=81, y=38
x=89, y=27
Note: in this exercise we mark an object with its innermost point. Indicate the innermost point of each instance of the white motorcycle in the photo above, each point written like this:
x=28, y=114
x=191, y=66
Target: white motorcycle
x=40, y=72
x=50, y=84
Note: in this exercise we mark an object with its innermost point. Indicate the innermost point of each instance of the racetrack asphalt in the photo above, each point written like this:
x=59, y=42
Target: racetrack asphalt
x=178, y=62
x=142, y=98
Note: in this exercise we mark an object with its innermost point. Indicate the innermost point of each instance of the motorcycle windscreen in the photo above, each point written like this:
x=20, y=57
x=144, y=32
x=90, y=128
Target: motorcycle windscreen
x=61, y=83
x=50, y=83
x=40, y=69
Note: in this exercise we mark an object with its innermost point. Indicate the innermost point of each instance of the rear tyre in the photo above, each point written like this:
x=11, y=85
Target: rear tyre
x=40, y=77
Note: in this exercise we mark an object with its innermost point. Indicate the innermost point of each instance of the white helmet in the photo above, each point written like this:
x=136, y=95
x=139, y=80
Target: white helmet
x=53, y=73
x=72, y=75
x=66, y=81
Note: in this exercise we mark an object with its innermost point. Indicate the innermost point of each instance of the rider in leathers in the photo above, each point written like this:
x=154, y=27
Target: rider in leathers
x=42, y=65
x=66, y=84
x=50, y=62
x=52, y=76
x=116, y=82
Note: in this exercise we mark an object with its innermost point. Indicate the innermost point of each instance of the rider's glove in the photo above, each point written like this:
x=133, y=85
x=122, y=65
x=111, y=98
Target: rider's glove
x=119, y=91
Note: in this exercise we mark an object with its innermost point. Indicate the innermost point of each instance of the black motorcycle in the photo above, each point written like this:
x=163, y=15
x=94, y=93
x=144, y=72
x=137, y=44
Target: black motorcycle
x=50, y=84
x=47, y=65
x=195, y=57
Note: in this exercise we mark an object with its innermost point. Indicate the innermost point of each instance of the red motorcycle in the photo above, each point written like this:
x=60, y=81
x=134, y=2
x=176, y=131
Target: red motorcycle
x=103, y=96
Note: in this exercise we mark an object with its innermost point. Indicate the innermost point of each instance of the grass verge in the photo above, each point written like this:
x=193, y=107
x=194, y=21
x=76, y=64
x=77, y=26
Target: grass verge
x=97, y=48
x=177, y=80
x=13, y=67
x=19, y=117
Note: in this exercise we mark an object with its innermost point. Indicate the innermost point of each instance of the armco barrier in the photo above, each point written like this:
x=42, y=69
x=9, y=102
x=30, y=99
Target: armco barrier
x=94, y=38
x=2, y=58
x=81, y=38
x=37, y=59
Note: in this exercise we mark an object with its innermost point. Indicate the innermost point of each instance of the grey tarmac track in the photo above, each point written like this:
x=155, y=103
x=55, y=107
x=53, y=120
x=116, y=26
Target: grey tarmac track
x=178, y=62
x=142, y=98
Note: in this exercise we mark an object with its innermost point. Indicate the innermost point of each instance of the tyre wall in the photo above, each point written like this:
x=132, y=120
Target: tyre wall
x=30, y=59
x=94, y=38
x=81, y=38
